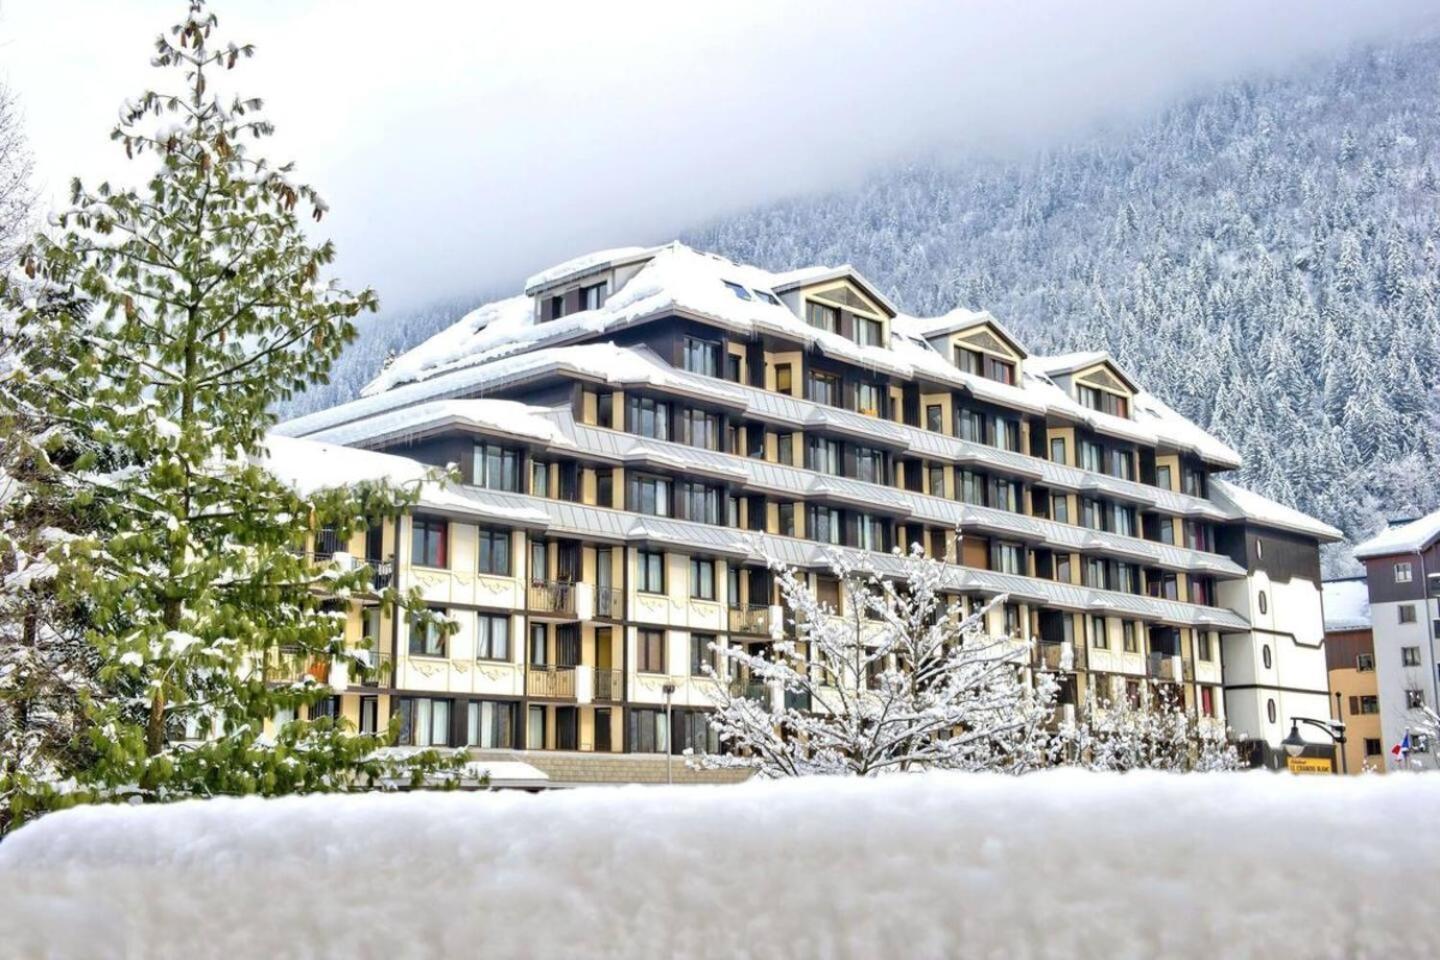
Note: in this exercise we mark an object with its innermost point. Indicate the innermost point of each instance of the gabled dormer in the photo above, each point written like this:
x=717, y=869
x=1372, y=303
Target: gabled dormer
x=1093, y=380
x=977, y=344
x=841, y=302
x=584, y=283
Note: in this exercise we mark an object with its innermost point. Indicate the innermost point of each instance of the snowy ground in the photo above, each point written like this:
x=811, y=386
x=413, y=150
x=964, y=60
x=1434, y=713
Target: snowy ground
x=1062, y=864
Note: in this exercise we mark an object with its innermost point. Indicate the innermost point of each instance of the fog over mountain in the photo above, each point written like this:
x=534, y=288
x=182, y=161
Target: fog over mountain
x=1265, y=257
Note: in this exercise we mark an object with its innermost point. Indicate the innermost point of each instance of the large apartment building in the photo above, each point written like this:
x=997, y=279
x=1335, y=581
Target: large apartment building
x=1402, y=576
x=641, y=429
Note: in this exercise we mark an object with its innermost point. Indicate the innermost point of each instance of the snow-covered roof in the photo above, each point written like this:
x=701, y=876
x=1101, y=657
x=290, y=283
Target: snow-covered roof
x=586, y=263
x=1265, y=512
x=956, y=321
x=1062, y=364
x=308, y=466
x=1409, y=537
x=809, y=276
x=1347, y=604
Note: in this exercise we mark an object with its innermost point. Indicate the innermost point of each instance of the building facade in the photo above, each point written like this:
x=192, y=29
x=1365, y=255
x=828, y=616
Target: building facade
x=1354, y=685
x=642, y=429
x=1402, y=577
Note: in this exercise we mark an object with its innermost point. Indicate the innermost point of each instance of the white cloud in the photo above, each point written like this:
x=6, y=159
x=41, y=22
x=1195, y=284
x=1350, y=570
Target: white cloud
x=465, y=144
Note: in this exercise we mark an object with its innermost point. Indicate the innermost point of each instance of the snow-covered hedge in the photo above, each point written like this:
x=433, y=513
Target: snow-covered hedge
x=1057, y=864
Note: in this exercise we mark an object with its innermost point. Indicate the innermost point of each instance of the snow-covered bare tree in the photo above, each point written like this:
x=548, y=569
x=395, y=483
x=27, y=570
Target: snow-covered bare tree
x=155, y=329
x=898, y=679
x=1151, y=732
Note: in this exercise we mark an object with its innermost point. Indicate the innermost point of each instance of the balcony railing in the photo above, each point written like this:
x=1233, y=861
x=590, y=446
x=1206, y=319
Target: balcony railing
x=551, y=596
x=553, y=682
x=797, y=700
x=750, y=618
x=382, y=672
x=382, y=573
x=1053, y=656
x=292, y=666
x=756, y=690
x=1168, y=668
x=609, y=603
x=608, y=685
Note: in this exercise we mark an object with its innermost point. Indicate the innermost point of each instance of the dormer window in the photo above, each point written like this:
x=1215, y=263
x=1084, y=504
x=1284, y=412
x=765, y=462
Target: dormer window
x=557, y=307
x=869, y=333
x=593, y=296
x=768, y=297
x=822, y=317
x=1104, y=401
x=984, y=365
x=738, y=290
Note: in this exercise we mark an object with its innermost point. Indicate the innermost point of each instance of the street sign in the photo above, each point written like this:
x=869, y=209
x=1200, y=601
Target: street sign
x=1310, y=765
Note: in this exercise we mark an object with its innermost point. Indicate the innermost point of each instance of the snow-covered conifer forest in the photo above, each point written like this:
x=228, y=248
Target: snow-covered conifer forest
x=1265, y=257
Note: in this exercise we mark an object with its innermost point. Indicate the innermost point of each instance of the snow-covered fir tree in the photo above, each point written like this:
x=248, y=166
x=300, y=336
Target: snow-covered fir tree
x=1151, y=732
x=897, y=680
x=156, y=329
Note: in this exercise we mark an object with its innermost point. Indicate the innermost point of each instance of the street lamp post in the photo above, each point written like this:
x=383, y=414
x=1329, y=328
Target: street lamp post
x=1294, y=744
x=669, y=691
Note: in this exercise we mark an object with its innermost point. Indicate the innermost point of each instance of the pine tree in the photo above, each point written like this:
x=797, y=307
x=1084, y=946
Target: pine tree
x=181, y=313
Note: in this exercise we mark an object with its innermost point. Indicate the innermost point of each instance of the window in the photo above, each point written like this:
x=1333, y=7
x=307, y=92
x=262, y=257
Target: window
x=494, y=557
x=694, y=732
x=1368, y=705
x=768, y=297
x=785, y=448
x=934, y=417
x=1013, y=626
x=539, y=645
x=557, y=307
x=1062, y=568
x=827, y=593
x=1202, y=590
x=1372, y=746
x=784, y=378
x=539, y=479
x=824, y=388
x=1414, y=699
x=1130, y=636
x=1004, y=494
x=1123, y=520
x=1270, y=709
x=702, y=356
x=732, y=367
x=1091, y=515
x=824, y=455
x=1002, y=371
x=970, y=487
x=785, y=518
x=650, y=651
x=1365, y=662
x=1407, y=612
x=702, y=655
x=650, y=495
x=1092, y=456
x=424, y=722
x=739, y=291
x=970, y=425
x=1167, y=530
x=650, y=418
x=427, y=637
x=592, y=296
x=1125, y=577
x=1192, y=482
x=1122, y=464
x=1007, y=434
x=496, y=468
x=869, y=333
x=1202, y=642
x=428, y=536
x=648, y=731
x=700, y=429
x=1403, y=572
x=970, y=361
x=1094, y=573
x=936, y=480
x=702, y=579
x=1259, y=549
x=604, y=487
x=492, y=637
x=868, y=399
x=1264, y=602
x=605, y=410
x=1207, y=701
x=535, y=728
x=370, y=715
x=822, y=317
x=869, y=465
x=650, y=572
x=823, y=524
x=870, y=533
x=1410, y=656
x=1057, y=449
x=1104, y=401
x=1060, y=508
x=698, y=502
x=1009, y=558
x=490, y=723
x=1163, y=479
x=1098, y=638
x=1265, y=656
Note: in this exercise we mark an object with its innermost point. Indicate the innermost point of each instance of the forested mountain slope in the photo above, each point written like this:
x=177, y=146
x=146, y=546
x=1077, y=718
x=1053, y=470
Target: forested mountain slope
x=1265, y=258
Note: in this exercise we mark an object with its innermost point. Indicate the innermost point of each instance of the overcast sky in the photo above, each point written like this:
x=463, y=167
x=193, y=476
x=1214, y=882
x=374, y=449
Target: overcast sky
x=462, y=145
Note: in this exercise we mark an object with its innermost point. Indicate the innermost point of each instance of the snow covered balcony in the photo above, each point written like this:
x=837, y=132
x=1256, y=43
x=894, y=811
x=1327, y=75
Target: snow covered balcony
x=560, y=600
x=756, y=619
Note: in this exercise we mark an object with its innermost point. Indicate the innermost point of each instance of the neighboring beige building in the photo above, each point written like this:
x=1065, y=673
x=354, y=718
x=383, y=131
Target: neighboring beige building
x=642, y=429
x=1350, y=657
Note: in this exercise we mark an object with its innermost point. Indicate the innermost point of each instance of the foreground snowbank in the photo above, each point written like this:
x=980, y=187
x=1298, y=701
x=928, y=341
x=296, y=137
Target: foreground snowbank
x=1052, y=865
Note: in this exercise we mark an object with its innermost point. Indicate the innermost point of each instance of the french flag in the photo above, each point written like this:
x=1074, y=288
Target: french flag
x=1401, y=750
